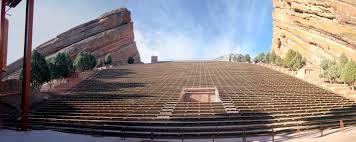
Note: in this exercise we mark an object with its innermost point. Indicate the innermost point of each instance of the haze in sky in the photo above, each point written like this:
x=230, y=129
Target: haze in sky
x=171, y=29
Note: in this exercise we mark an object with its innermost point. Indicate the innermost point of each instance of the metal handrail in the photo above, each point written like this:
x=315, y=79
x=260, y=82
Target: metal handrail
x=92, y=129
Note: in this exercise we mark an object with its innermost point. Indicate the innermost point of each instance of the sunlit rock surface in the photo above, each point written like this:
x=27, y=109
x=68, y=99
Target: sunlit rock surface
x=316, y=28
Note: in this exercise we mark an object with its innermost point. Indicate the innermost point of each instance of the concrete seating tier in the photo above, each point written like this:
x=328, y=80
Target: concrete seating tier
x=144, y=100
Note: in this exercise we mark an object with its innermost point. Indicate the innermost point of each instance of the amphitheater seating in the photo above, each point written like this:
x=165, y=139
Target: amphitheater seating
x=145, y=101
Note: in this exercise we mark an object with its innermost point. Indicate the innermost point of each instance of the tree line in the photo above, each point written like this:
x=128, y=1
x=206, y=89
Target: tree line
x=240, y=58
x=293, y=60
x=62, y=66
x=341, y=68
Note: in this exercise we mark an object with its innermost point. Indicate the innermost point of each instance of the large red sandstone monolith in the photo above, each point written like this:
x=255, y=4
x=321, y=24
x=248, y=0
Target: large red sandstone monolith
x=111, y=33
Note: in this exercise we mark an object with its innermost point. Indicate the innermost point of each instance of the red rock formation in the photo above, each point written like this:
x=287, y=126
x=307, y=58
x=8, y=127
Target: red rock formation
x=316, y=28
x=111, y=33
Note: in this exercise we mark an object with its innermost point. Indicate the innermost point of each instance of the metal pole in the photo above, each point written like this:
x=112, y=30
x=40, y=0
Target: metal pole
x=2, y=35
x=321, y=130
x=273, y=135
x=27, y=64
x=341, y=124
x=243, y=135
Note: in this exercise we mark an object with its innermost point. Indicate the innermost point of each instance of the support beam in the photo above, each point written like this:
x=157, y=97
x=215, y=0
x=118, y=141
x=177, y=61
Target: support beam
x=27, y=64
x=2, y=34
x=5, y=45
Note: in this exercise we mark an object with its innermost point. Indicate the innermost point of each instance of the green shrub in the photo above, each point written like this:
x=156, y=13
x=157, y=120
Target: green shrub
x=108, y=59
x=40, y=72
x=260, y=58
x=246, y=58
x=275, y=59
x=85, y=61
x=63, y=65
x=237, y=57
x=329, y=69
x=287, y=61
x=278, y=61
x=131, y=60
x=266, y=59
x=334, y=69
x=240, y=58
x=100, y=63
x=272, y=57
x=342, y=60
x=348, y=74
x=293, y=60
x=53, y=68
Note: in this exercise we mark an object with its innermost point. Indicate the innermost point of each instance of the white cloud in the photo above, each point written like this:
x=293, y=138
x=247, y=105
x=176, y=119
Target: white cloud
x=175, y=47
x=224, y=46
x=141, y=43
x=174, y=30
x=179, y=46
x=166, y=46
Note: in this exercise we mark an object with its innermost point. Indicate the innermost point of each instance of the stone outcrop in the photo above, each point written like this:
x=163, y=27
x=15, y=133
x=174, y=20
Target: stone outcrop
x=111, y=33
x=315, y=28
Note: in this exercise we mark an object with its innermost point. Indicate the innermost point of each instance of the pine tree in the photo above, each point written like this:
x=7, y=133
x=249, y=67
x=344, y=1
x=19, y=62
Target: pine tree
x=40, y=72
x=131, y=60
x=108, y=59
x=85, y=61
x=63, y=65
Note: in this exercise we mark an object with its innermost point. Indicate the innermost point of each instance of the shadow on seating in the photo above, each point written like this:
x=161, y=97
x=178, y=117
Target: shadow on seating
x=96, y=85
x=334, y=118
x=222, y=125
x=318, y=123
x=113, y=73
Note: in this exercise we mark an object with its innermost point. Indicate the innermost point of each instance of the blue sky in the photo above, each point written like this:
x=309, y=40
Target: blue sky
x=171, y=29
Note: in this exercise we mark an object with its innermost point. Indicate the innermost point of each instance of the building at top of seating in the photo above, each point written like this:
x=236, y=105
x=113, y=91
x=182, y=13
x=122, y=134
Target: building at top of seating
x=154, y=59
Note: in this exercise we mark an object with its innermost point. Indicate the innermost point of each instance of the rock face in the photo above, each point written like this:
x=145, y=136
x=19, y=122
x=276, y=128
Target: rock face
x=315, y=28
x=111, y=33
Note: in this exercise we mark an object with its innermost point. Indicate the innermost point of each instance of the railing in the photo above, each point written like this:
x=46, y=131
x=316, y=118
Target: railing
x=181, y=132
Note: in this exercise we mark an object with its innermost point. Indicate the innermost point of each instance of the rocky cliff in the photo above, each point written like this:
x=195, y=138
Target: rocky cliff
x=316, y=28
x=112, y=33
